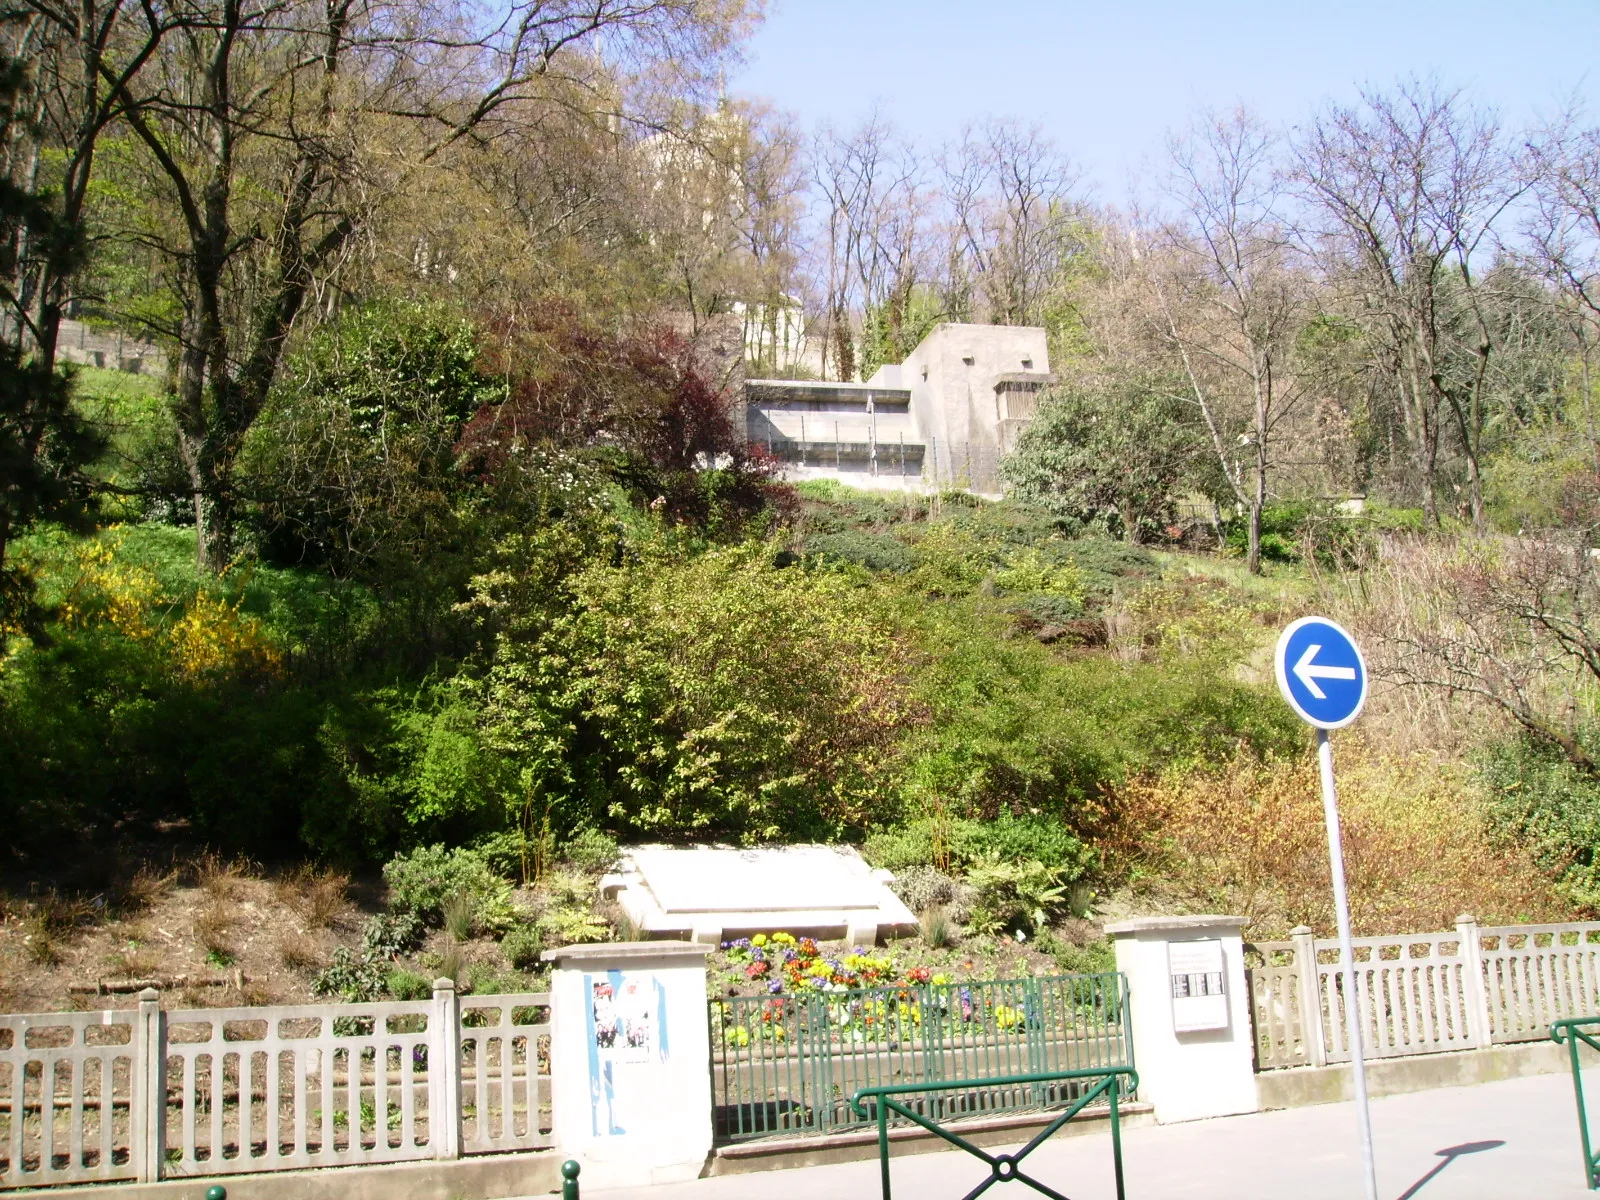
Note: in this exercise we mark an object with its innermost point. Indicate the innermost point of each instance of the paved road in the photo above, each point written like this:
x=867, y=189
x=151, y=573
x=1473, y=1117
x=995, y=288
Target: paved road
x=1497, y=1141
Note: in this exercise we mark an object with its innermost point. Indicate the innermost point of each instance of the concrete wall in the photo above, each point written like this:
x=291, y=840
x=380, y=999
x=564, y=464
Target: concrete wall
x=483, y=1178
x=952, y=375
x=953, y=431
x=111, y=350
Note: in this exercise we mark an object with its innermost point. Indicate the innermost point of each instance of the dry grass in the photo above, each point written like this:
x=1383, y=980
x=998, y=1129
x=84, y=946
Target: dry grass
x=213, y=927
x=458, y=911
x=135, y=962
x=936, y=927
x=43, y=947
x=298, y=952
x=1249, y=838
x=145, y=889
x=318, y=894
x=51, y=920
x=453, y=961
x=221, y=878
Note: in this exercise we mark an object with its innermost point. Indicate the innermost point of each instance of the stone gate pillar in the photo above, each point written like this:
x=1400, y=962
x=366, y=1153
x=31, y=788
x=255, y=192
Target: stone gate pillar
x=1189, y=1012
x=630, y=1057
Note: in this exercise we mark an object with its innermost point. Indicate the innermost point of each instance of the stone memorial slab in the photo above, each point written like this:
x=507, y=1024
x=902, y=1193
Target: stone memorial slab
x=712, y=894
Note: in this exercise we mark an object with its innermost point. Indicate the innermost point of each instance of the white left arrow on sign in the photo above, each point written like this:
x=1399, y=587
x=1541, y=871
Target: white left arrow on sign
x=1308, y=673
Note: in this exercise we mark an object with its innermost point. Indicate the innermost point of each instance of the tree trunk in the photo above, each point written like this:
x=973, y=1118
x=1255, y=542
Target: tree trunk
x=1258, y=501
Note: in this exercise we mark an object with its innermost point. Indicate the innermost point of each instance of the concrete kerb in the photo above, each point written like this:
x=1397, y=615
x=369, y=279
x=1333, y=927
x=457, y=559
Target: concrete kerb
x=482, y=1177
x=1298, y=1087
x=783, y=1154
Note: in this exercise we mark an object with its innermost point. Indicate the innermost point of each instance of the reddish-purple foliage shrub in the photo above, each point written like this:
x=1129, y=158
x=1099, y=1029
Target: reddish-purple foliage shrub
x=646, y=398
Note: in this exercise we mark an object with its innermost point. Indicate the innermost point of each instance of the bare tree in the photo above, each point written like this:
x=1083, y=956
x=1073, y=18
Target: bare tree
x=875, y=201
x=1563, y=234
x=1514, y=623
x=1014, y=221
x=1234, y=300
x=79, y=56
x=1408, y=190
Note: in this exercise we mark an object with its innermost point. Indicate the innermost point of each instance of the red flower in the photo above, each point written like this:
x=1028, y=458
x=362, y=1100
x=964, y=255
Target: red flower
x=756, y=969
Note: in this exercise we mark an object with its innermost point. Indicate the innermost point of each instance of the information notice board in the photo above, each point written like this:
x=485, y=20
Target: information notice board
x=1199, y=991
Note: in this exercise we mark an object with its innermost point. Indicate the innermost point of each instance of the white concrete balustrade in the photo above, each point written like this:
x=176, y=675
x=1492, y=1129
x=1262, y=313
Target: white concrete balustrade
x=1426, y=993
x=149, y=1093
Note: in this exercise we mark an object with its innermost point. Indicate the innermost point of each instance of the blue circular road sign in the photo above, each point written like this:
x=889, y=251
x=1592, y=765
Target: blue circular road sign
x=1321, y=673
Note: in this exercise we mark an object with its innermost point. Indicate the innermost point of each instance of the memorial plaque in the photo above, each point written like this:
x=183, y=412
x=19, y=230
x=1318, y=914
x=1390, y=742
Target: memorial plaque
x=709, y=892
x=1199, y=991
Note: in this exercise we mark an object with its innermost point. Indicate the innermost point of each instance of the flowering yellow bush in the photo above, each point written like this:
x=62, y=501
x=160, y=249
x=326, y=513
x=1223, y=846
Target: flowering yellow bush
x=110, y=590
x=205, y=636
x=212, y=635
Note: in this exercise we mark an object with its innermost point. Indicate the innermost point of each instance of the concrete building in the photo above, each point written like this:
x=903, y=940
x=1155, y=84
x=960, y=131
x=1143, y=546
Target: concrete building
x=943, y=418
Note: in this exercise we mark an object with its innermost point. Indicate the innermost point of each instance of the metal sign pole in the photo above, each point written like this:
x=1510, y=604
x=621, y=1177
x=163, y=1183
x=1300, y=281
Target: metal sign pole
x=1356, y=1022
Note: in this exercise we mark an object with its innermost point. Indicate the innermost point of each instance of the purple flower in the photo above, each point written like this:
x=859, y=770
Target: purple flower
x=775, y=986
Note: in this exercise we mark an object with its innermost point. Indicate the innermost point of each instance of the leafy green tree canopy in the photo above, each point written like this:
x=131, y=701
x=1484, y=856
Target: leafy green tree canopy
x=1108, y=451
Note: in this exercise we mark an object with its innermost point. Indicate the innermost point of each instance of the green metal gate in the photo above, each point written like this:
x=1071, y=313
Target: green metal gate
x=1572, y=1031
x=788, y=1064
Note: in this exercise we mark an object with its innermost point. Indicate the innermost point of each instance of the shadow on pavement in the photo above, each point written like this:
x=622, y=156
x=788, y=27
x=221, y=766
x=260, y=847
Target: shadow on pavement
x=1448, y=1156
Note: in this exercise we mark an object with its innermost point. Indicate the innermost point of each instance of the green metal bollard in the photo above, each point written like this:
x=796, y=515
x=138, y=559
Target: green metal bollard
x=216, y=1192
x=569, y=1175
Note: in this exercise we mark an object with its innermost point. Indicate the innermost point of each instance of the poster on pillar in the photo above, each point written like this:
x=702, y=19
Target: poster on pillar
x=1199, y=994
x=626, y=1036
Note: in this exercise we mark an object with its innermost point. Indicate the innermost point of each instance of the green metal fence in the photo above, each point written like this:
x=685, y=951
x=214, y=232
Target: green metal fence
x=1106, y=1085
x=1572, y=1031
x=788, y=1064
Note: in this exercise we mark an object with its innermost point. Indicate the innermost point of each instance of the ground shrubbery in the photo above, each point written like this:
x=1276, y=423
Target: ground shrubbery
x=1247, y=837
x=608, y=673
x=1536, y=797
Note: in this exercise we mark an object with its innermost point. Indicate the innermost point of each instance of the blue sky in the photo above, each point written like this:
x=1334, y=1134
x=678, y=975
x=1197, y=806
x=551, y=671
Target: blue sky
x=1108, y=79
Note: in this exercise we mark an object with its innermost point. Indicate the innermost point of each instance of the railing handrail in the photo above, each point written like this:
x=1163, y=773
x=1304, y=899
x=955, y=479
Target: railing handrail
x=996, y=1081
x=1572, y=1027
x=1003, y=1168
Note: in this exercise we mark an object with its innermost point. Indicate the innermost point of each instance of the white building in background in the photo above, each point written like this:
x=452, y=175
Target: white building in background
x=943, y=418
x=775, y=335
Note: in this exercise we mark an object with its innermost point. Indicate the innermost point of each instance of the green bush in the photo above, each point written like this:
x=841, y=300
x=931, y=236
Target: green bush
x=967, y=842
x=1011, y=524
x=522, y=947
x=1014, y=839
x=351, y=977
x=389, y=935
x=353, y=463
x=1047, y=608
x=407, y=985
x=1106, y=565
x=706, y=696
x=875, y=551
x=901, y=849
x=428, y=879
x=833, y=507
x=1108, y=451
x=593, y=851
x=1094, y=958
x=1020, y=894
x=1536, y=797
x=1290, y=528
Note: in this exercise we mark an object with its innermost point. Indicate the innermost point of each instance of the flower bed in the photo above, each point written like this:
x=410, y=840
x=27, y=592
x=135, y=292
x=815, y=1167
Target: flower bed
x=783, y=963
